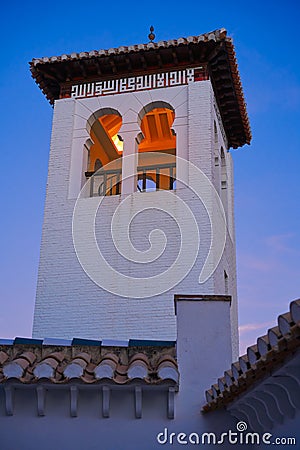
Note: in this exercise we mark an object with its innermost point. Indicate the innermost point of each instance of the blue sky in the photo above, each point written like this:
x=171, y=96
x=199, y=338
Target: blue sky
x=267, y=188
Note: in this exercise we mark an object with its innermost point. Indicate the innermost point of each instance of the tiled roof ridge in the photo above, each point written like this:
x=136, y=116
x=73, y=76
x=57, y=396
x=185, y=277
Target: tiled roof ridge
x=33, y=363
x=261, y=358
x=216, y=35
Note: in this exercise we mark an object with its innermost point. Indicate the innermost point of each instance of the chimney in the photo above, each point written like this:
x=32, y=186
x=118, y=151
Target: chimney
x=204, y=348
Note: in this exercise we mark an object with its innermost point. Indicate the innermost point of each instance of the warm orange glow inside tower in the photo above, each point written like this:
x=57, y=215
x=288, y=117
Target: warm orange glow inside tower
x=157, y=171
x=106, y=146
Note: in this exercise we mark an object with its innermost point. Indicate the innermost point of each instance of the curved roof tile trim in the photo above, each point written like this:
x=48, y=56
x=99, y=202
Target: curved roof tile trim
x=61, y=365
x=211, y=36
x=269, y=353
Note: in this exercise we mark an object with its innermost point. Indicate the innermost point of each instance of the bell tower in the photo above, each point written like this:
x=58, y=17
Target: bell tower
x=139, y=202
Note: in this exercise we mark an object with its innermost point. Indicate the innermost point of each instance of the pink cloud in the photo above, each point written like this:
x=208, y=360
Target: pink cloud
x=262, y=265
x=280, y=242
x=253, y=327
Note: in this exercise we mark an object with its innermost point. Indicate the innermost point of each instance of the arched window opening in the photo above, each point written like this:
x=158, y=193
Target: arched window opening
x=216, y=145
x=224, y=196
x=157, y=151
x=105, y=156
x=217, y=169
x=226, y=283
x=223, y=170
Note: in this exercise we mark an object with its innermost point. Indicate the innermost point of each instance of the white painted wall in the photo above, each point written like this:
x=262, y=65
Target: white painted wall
x=203, y=350
x=68, y=302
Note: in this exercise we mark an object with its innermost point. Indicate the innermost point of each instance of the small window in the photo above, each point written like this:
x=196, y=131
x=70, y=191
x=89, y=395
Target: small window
x=226, y=283
x=224, y=193
x=216, y=145
x=223, y=170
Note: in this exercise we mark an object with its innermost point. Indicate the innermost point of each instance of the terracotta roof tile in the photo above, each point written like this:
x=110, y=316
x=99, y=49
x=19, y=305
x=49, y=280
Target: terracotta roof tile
x=106, y=368
x=122, y=369
x=167, y=369
x=269, y=353
x=83, y=359
x=138, y=368
x=244, y=363
x=120, y=379
x=3, y=357
x=263, y=345
x=28, y=356
x=17, y=366
x=49, y=366
x=44, y=370
x=88, y=378
x=228, y=377
x=222, y=384
x=253, y=354
x=295, y=311
x=285, y=323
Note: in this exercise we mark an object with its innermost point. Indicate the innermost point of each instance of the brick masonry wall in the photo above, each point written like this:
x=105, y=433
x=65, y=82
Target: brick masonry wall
x=68, y=302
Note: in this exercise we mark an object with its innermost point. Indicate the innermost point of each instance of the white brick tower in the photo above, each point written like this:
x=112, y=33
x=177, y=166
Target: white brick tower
x=135, y=124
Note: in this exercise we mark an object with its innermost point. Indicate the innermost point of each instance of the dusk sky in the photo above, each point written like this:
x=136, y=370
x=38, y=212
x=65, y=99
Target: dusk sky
x=267, y=185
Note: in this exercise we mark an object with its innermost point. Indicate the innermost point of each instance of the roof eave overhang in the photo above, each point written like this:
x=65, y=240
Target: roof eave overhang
x=213, y=49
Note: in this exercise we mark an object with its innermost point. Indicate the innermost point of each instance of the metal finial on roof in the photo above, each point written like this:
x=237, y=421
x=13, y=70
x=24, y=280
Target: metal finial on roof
x=151, y=35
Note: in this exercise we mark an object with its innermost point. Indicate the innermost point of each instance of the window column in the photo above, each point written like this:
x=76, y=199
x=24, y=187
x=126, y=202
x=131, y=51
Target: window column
x=128, y=133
